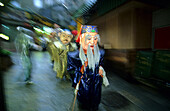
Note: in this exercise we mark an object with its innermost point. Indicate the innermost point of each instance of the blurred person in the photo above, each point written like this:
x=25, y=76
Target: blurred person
x=63, y=46
x=87, y=63
x=50, y=45
x=52, y=38
x=23, y=44
x=57, y=29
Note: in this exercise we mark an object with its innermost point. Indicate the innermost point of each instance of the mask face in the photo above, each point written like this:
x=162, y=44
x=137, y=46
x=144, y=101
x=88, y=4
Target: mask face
x=90, y=38
x=65, y=38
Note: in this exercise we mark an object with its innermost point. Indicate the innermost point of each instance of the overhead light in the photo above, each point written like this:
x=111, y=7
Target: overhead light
x=4, y=36
x=1, y=4
x=38, y=3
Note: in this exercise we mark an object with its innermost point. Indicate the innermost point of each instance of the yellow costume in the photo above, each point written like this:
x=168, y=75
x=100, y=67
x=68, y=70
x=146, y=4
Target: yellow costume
x=50, y=45
x=51, y=49
x=60, y=58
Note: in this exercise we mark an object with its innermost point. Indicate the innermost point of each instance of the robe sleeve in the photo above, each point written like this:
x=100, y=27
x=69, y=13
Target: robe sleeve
x=101, y=62
x=74, y=65
x=72, y=47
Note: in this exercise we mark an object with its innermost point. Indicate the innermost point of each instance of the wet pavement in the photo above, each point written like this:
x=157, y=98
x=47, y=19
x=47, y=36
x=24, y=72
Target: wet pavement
x=48, y=93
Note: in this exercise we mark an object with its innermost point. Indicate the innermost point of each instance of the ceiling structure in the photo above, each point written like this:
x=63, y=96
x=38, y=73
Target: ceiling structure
x=62, y=12
x=39, y=13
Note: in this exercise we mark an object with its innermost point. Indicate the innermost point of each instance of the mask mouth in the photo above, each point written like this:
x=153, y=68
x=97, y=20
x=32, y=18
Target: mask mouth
x=91, y=46
x=65, y=42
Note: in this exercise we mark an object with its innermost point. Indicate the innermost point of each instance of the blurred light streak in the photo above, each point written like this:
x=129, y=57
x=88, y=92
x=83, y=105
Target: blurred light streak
x=5, y=26
x=1, y=4
x=4, y=36
x=39, y=30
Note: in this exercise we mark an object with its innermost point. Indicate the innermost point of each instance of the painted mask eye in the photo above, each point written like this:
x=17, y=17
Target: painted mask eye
x=89, y=38
x=97, y=37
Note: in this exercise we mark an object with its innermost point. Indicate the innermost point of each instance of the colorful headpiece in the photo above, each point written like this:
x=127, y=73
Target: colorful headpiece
x=89, y=28
x=86, y=28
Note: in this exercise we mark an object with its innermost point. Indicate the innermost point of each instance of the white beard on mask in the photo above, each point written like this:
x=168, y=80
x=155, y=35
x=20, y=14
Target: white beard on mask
x=93, y=59
x=82, y=55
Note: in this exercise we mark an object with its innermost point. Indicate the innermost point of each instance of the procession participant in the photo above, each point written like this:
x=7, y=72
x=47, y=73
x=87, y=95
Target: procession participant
x=24, y=43
x=63, y=46
x=52, y=38
x=87, y=63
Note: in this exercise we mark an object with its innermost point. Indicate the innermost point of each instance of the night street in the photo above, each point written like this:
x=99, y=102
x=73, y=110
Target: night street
x=47, y=93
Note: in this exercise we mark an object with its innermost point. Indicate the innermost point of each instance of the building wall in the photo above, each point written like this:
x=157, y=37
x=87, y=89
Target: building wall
x=161, y=18
x=127, y=27
x=161, y=29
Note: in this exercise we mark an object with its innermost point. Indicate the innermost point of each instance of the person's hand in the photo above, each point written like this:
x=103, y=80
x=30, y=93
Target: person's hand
x=86, y=63
x=101, y=72
x=83, y=67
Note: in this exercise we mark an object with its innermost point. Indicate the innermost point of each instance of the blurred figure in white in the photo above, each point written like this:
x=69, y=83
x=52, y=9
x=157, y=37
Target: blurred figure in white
x=23, y=44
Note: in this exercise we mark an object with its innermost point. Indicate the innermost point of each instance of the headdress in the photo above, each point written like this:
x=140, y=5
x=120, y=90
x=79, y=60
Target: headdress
x=89, y=28
x=86, y=28
x=67, y=31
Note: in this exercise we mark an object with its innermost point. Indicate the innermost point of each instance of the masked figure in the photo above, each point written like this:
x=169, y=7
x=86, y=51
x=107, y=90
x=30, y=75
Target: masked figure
x=87, y=63
x=63, y=46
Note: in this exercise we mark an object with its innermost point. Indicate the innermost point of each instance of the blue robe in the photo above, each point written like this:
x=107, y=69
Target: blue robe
x=89, y=93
